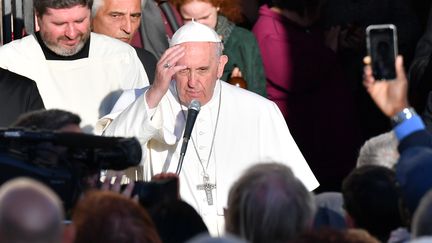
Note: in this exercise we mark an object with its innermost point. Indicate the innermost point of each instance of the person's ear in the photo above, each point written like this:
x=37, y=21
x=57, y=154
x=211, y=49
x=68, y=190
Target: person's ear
x=69, y=234
x=37, y=19
x=222, y=62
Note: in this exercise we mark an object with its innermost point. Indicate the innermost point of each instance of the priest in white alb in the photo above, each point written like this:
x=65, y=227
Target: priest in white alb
x=74, y=69
x=234, y=129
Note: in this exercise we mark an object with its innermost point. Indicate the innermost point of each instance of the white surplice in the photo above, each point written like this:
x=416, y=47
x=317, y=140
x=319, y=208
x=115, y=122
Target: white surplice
x=250, y=130
x=86, y=86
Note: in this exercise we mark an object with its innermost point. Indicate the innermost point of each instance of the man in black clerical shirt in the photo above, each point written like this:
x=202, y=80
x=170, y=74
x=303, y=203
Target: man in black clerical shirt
x=18, y=95
x=75, y=70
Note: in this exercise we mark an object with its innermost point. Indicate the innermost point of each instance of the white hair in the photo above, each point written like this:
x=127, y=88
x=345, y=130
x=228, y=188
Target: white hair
x=267, y=203
x=97, y=4
x=380, y=150
x=205, y=238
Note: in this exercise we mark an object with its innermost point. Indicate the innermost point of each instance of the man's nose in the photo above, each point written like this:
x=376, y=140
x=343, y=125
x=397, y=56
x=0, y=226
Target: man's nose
x=71, y=31
x=127, y=25
x=192, y=79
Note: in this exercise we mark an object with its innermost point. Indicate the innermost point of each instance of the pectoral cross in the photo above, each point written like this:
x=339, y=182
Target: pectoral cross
x=207, y=187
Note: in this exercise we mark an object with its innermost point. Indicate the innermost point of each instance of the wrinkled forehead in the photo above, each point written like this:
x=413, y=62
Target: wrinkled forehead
x=198, y=44
x=199, y=55
x=200, y=49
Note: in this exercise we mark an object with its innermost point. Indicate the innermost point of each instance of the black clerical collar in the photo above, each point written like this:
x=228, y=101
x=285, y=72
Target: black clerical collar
x=50, y=55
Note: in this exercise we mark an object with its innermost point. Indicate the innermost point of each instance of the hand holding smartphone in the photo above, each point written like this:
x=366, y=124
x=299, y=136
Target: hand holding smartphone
x=381, y=43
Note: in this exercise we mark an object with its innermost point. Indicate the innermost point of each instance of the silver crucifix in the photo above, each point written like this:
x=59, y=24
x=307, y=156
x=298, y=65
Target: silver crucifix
x=207, y=187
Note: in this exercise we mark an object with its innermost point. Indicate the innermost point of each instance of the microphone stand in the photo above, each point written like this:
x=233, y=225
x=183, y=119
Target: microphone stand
x=182, y=155
x=193, y=110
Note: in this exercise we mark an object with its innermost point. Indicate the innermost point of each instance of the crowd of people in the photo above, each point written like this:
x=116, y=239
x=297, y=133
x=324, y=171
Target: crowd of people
x=311, y=149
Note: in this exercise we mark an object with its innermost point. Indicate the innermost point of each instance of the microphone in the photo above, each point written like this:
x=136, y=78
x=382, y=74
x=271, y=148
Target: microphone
x=193, y=110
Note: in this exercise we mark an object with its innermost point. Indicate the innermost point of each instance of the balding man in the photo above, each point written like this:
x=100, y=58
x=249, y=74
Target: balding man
x=121, y=19
x=31, y=212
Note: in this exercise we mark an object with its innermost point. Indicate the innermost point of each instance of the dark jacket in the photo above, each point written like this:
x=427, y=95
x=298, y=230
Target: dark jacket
x=242, y=49
x=149, y=61
x=18, y=95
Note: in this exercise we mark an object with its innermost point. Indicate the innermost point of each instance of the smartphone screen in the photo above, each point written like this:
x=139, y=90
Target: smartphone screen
x=382, y=48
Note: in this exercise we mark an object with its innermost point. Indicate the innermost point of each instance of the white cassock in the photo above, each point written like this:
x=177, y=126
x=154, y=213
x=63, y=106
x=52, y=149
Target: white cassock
x=249, y=129
x=86, y=86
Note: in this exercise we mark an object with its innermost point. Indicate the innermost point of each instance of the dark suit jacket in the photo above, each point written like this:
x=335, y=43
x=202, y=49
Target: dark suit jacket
x=18, y=95
x=422, y=138
x=149, y=62
x=427, y=112
x=414, y=168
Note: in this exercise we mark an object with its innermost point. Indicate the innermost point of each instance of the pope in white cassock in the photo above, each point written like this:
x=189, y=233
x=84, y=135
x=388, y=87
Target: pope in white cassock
x=234, y=129
x=74, y=69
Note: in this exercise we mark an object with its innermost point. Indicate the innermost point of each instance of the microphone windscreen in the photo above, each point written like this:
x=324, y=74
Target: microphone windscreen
x=195, y=105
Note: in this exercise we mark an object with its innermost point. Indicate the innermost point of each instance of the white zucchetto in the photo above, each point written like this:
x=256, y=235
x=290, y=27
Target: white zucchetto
x=194, y=32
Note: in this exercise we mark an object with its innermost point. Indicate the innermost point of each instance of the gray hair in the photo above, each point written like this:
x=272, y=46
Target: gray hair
x=219, y=49
x=97, y=4
x=269, y=204
x=422, y=220
x=40, y=6
x=380, y=150
x=29, y=212
x=205, y=238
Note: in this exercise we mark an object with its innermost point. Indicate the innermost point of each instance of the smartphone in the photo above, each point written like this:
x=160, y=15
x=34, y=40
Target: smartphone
x=155, y=192
x=381, y=43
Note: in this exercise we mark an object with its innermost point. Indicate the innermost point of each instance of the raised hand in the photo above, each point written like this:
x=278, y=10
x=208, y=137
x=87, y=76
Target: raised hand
x=165, y=69
x=113, y=183
x=390, y=95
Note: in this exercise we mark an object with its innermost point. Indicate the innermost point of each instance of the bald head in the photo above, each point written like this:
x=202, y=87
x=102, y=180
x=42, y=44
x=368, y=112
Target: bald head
x=29, y=212
x=269, y=204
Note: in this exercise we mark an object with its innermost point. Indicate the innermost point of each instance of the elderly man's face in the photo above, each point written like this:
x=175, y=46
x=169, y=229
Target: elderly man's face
x=203, y=68
x=65, y=31
x=118, y=18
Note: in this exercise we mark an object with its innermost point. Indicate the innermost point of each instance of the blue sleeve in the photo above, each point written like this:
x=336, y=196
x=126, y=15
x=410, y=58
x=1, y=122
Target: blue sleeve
x=408, y=127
